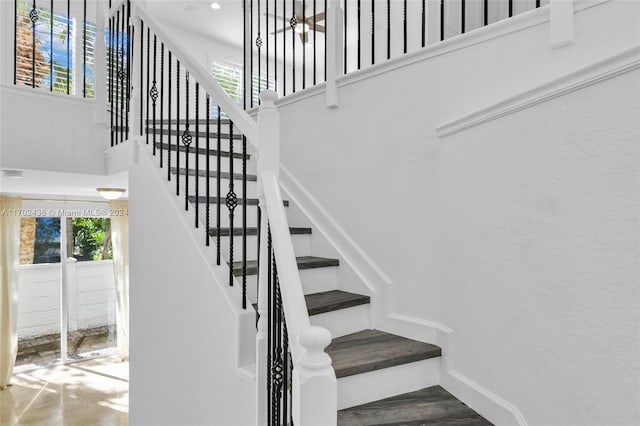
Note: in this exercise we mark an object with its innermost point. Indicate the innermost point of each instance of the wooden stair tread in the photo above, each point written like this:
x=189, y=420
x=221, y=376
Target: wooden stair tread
x=327, y=301
x=370, y=350
x=304, y=262
x=429, y=406
x=214, y=200
x=201, y=150
x=212, y=174
x=237, y=231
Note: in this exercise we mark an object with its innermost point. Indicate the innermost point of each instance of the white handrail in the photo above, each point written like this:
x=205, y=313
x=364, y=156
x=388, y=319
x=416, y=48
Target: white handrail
x=239, y=117
x=293, y=301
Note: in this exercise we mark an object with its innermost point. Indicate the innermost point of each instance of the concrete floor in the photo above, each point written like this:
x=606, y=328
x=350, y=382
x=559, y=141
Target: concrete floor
x=93, y=392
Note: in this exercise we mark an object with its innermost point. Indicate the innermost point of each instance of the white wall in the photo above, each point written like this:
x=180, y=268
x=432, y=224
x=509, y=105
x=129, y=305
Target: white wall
x=91, y=290
x=52, y=132
x=519, y=234
x=184, y=327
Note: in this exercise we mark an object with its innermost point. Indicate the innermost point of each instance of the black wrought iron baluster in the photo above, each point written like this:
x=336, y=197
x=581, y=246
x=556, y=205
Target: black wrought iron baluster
x=259, y=46
x=84, y=47
x=404, y=25
x=325, y=41
x=148, y=78
x=15, y=43
x=441, y=20
x=117, y=77
x=485, y=12
x=285, y=371
x=388, y=29
x=207, y=214
x=197, y=172
x=51, y=39
x=510, y=8
x=250, y=60
x=424, y=23
x=121, y=76
x=266, y=22
x=218, y=185
x=178, y=128
x=128, y=72
x=463, y=16
x=161, y=104
x=276, y=386
x=305, y=35
x=34, y=15
x=231, y=202
x=258, y=235
x=275, y=44
x=154, y=93
x=373, y=32
x=270, y=324
x=110, y=79
x=186, y=141
x=359, y=36
x=346, y=32
x=293, y=22
x=537, y=4
x=169, y=105
x=244, y=222
x=141, y=74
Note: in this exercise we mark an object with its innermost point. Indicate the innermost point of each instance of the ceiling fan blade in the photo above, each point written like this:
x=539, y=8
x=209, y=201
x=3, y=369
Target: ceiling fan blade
x=319, y=17
x=319, y=28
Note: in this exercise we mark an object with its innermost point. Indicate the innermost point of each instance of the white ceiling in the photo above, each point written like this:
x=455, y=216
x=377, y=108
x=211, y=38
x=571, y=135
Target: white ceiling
x=64, y=186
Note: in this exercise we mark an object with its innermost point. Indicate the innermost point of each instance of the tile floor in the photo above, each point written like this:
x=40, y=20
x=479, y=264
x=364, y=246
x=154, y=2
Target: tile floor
x=93, y=392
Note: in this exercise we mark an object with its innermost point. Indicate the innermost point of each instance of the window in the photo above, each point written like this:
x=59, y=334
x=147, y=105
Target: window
x=229, y=77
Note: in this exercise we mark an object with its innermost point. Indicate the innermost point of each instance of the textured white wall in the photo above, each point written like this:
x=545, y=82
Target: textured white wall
x=184, y=330
x=51, y=132
x=520, y=234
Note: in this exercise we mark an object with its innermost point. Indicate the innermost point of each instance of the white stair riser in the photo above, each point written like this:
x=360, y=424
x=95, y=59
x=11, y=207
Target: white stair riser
x=372, y=386
x=301, y=245
x=314, y=280
x=344, y=321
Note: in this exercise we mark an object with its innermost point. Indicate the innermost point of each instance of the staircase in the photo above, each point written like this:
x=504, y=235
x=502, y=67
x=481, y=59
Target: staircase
x=382, y=378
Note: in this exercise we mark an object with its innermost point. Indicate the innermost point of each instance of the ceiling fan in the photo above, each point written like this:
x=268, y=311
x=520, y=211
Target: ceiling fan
x=300, y=25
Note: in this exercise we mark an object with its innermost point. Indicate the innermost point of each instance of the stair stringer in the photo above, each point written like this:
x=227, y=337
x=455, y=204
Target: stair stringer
x=244, y=320
x=354, y=261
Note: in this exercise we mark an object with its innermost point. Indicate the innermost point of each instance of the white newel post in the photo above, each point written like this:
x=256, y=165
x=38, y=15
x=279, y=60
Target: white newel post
x=335, y=53
x=268, y=160
x=135, y=103
x=561, y=28
x=100, y=68
x=315, y=389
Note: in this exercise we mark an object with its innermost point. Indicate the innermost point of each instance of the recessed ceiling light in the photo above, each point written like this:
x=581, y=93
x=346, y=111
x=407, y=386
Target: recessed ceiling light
x=13, y=174
x=215, y=6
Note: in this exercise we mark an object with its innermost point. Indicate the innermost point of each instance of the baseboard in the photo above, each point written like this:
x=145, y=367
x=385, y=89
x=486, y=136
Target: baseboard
x=610, y=67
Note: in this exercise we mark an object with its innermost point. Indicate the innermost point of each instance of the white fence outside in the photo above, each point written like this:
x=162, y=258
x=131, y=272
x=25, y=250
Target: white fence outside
x=92, y=297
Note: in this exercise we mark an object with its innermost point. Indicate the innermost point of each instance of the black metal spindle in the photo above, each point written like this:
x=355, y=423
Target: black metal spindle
x=207, y=166
x=250, y=61
x=197, y=172
x=169, y=106
x=129, y=56
x=293, y=22
x=244, y=222
x=284, y=48
x=218, y=186
x=15, y=42
x=141, y=75
x=537, y=3
x=325, y=41
x=33, y=15
x=186, y=141
x=441, y=20
x=154, y=92
x=231, y=202
x=463, y=15
x=285, y=371
x=148, y=77
x=358, y=53
x=84, y=48
x=424, y=22
x=111, y=75
x=259, y=46
x=116, y=77
x=266, y=22
x=345, y=35
x=178, y=127
x=275, y=44
x=373, y=32
x=404, y=25
x=121, y=75
x=485, y=12
x=161, y=103
x=388, y=29
x=305, y=34
x=269, y=323
x=510, y=8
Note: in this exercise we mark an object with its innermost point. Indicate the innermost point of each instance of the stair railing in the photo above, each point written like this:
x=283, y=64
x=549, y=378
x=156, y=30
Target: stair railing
x=292, y=366
x=166, y=99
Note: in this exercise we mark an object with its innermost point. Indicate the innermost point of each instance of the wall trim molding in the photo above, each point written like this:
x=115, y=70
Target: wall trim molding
x=39, y=93
x=610, y=67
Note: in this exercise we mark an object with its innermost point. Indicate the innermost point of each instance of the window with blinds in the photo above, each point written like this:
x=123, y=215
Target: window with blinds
x=229, y=77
